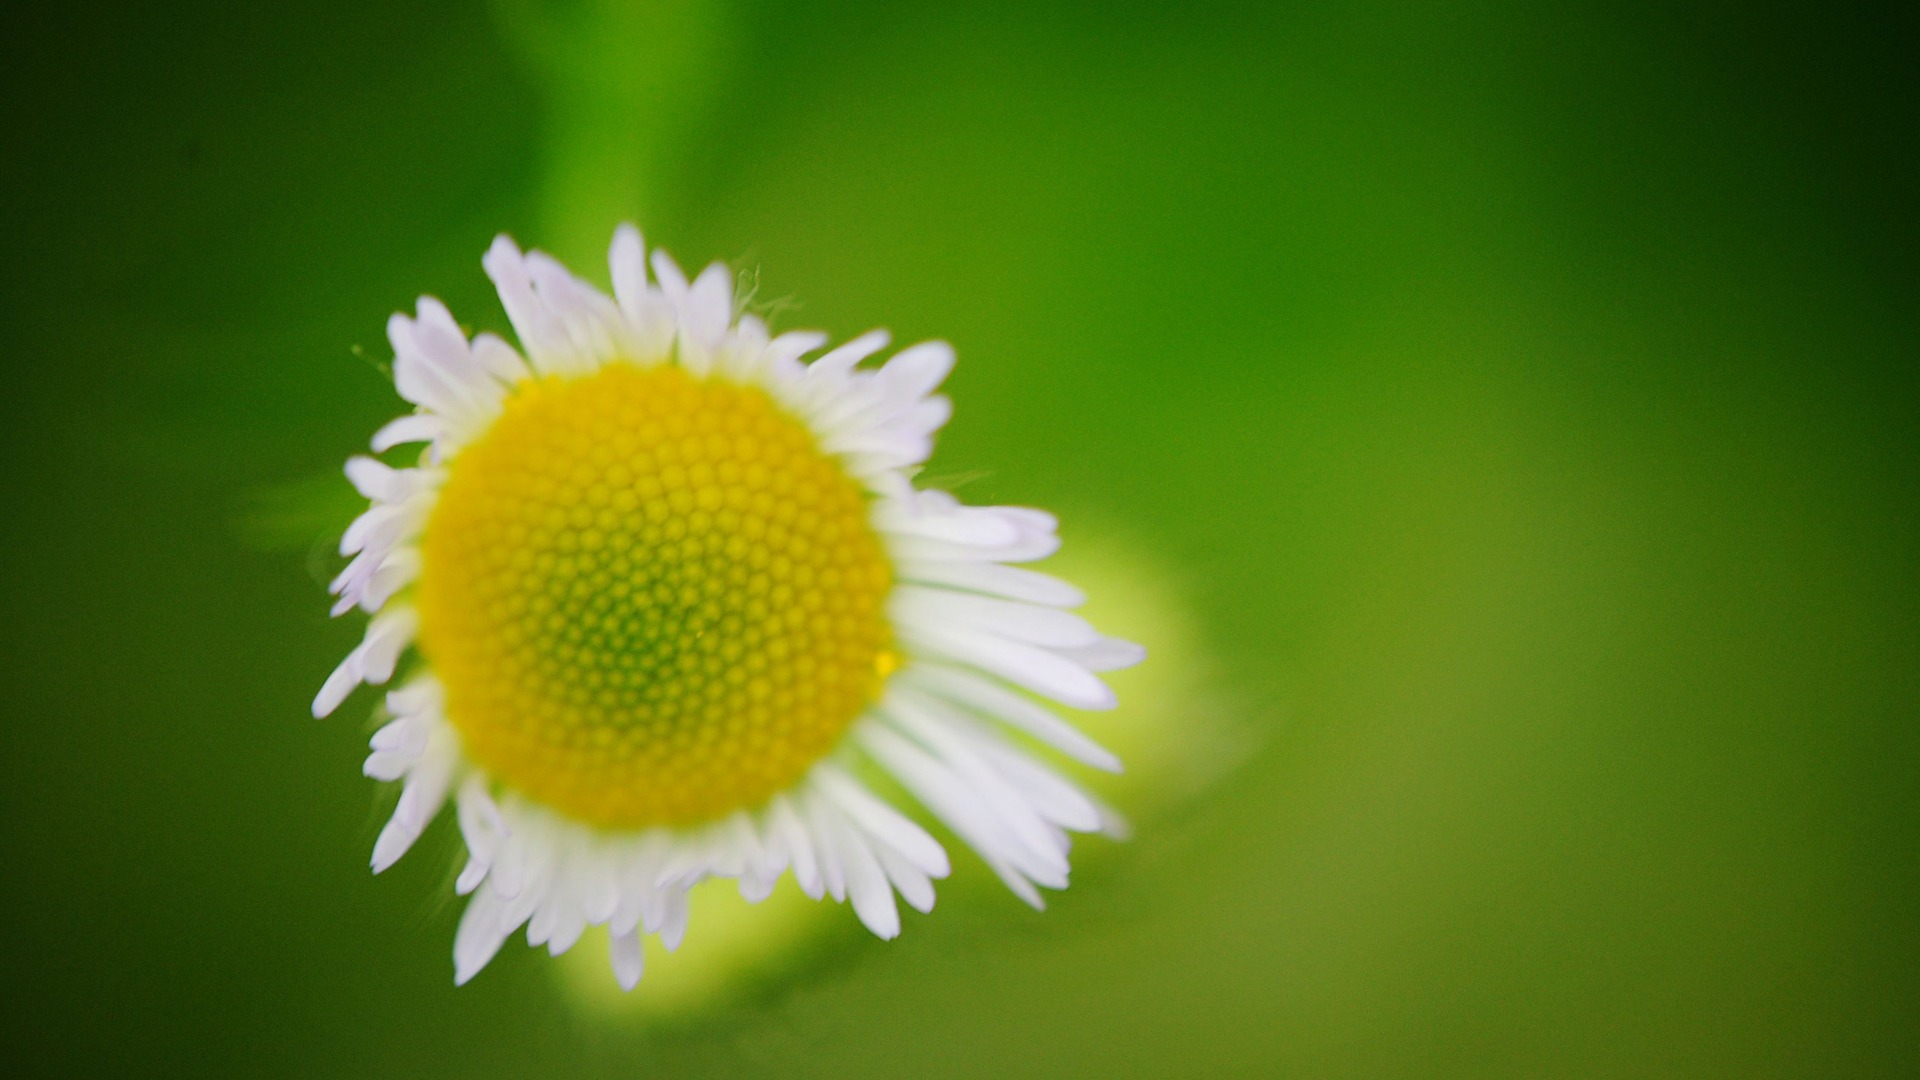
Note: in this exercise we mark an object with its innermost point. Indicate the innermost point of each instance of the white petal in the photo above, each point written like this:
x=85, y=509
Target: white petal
x=1018, y=884
x=351, y=585
x=867, y=887
x=673, y=928
x=1025, y=665
x=878, y=448
x=471, y=875
x=521, y=908
x=541, y=333
x=944, y=735
x=826, y=844
x=1032, y=545
x=338, y=685
x=800, y=849
x=881, y=821
x=1055, y=797
x=742, y=352
x=672, y=281
x=590, y=320
x=388, y=765
x=628, y=262
x=635, y=865
x=499, y=359
x=710, y=303
x=755, y=888
x=441, y=337
x=855, y=404
x=420, y=800
x=400, y=569
x=430, y=373
x=415, y=427
x=400, y=733
x=925, y=416
x=380, y=522
x=954, y=802
x=481, y=826
x=540, y=926
x=418, y=698
x=569, y=924
x=913, y=884
x=1011, y=582
x=837, y=363
x=915, y=371
x=966, y=525
x=388, y=634
x=1008, y=707
x=372, y=479
x=785, y=351
x=483, y=928
x=1106, y=654
x=599, y=892
x=511, y=872
x=745, y=841
x=1031, y=623
x=629, y=960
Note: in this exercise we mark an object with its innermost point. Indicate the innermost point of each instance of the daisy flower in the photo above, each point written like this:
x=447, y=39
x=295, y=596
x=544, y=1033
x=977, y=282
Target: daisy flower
x=664, y=602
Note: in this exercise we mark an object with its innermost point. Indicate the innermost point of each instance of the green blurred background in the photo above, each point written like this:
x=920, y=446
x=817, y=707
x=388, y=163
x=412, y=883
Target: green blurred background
x=1516, y=407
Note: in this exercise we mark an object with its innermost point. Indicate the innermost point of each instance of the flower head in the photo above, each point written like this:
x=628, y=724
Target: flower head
x=664, y=593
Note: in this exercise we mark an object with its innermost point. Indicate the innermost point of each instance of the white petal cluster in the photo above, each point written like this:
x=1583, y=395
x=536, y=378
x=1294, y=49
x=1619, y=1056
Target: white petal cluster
x=975, y=629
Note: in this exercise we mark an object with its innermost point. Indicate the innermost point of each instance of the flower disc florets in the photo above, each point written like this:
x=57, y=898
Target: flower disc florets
x=651, y=600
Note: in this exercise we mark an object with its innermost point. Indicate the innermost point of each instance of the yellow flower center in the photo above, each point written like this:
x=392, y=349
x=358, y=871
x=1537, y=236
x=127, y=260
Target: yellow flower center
x=651, y=599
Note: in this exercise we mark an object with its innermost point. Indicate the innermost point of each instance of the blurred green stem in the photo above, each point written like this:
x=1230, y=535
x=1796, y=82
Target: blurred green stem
x=625, y=83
